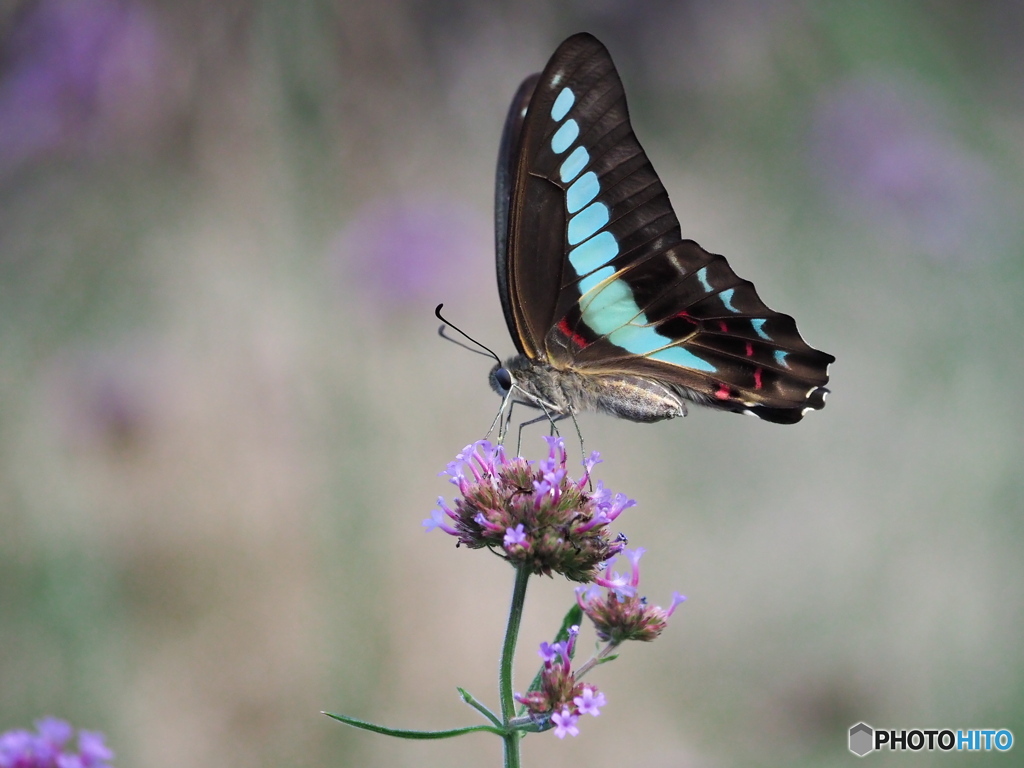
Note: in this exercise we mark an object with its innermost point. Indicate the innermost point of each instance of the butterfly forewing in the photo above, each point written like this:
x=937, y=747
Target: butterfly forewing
x=508, y=157
x=594, y=273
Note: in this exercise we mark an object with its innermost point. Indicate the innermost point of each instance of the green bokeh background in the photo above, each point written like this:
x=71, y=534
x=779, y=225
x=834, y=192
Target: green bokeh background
x=223, y=405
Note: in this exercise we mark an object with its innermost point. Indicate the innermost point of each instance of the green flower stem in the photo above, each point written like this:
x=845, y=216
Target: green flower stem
x=479, y=707
x=403, y=733
x=508, y=652
x=599, y=659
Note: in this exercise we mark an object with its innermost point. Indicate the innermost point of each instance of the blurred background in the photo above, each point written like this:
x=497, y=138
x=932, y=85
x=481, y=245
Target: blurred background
x=223, y=403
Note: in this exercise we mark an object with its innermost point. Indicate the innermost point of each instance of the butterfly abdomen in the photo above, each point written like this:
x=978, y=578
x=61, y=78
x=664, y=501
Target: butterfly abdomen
x=635, y=398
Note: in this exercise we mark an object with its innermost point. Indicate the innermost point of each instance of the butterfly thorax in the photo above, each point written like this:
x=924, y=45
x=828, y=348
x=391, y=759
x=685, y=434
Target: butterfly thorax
x=565, y=391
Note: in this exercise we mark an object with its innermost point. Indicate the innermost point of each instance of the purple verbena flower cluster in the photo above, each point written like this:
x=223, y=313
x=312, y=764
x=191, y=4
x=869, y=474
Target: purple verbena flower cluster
x=620, y=613
x=532, y=514
x=559, y=696
x=49, y=747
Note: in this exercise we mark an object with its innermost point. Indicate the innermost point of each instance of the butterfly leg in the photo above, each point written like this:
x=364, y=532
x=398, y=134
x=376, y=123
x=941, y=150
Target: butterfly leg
x=579, y=434
x=502, y=424
x=507, y=423
x=546, y=415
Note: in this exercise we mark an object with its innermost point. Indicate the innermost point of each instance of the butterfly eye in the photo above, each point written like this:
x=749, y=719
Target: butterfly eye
x=503, y=379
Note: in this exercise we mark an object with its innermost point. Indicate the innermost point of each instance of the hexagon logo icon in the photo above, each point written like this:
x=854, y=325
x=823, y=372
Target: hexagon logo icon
x=862, y=739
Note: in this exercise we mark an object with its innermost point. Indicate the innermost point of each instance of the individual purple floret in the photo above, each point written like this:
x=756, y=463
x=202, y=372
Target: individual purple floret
x=565, y=723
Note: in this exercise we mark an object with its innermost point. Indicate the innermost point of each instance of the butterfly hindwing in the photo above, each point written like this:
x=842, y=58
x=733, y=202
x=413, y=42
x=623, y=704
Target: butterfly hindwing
x=594, y=274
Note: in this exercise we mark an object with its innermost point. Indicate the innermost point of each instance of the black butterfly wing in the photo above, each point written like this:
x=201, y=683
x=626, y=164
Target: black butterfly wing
x=508, y=157
x=597, y=277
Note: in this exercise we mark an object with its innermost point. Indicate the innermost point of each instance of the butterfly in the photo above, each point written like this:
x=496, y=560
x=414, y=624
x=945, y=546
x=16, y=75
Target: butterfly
x=610, y=309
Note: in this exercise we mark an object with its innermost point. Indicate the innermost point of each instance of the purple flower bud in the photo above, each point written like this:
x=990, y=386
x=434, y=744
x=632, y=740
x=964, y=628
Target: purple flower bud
x=588, y=466
x=677, y=599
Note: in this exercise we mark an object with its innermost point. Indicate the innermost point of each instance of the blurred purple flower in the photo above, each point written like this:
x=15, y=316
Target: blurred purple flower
x=48, y=747
x=409, y=249
x=80, y=74
x=108, y=400
x=882, y=152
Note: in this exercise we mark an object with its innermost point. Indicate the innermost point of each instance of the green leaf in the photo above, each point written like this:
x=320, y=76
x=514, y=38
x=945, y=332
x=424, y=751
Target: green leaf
x=401, y=733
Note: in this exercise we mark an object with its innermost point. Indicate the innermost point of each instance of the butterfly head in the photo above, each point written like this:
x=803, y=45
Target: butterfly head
x=501, y=379
x=536, y=384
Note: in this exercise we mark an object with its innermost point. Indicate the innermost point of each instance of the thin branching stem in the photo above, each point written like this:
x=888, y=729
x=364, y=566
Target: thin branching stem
x=508, y=652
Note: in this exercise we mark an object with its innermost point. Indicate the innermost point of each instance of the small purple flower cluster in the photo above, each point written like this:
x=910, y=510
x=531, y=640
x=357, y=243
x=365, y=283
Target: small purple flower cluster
x=533, y=515
x=48, y=747
x=621, y=614
x=559, y=696
x=543, y=522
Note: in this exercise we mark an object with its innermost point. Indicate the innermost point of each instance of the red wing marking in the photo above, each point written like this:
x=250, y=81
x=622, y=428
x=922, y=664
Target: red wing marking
x=750, y=349
x=757, y=377
x=722, y=393
x=575, y=338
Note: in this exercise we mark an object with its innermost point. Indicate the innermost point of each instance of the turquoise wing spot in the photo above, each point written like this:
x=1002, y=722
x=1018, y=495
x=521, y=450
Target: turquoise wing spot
x=702, y=275
x=683, y=357
x=594, y=279
x=759, y=329
x=726, y=297
x=607, y=306
x=582, y=191
x=587, y=222
x=574, y=163
x=638, y=339
x=594, y=253
x=564, y=136
x=610, y=308
x=562, y=104
x=612, y=311
x=780, y=358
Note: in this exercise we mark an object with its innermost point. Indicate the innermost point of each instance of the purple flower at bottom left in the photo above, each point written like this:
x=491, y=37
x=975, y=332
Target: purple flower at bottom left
x=50, y=747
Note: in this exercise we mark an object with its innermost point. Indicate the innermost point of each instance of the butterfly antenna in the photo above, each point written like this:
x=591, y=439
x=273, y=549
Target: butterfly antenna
x=446, y=337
